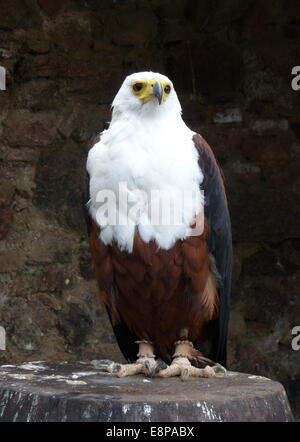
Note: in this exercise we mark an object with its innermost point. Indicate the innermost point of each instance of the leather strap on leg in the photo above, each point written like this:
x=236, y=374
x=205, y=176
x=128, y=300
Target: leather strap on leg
x=145, y=349
x=183, y=349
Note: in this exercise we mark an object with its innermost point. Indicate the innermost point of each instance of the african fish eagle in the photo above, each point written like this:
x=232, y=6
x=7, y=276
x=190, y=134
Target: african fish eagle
x=165, y=282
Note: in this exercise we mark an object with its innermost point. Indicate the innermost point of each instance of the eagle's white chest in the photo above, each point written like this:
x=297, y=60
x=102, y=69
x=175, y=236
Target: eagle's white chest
x=151, y=177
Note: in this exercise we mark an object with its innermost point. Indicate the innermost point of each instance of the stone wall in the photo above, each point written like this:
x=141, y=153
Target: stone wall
x=231, y=64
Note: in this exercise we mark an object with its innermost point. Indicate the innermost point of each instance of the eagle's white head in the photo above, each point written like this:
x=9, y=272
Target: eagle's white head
x=147, y=93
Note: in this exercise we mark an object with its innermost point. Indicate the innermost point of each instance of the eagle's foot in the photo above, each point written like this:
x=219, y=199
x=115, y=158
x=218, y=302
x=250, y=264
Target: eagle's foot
x=182, y=367
x=181, y=364
x=145, y=364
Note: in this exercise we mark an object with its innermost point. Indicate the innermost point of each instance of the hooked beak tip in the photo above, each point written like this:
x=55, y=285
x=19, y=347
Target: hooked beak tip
x=158, y=91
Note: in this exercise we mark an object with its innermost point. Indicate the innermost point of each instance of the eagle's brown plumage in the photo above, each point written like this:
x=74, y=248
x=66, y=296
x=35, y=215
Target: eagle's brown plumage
x=157, y=292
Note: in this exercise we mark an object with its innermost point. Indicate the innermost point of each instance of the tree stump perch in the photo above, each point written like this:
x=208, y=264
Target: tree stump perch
x=65, y=392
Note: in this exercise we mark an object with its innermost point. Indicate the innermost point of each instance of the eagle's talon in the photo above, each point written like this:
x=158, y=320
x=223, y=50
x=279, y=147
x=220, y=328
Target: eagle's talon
x=116, y=368
x=150, y=369
x=185, y=374
x=103, y=365
x=219, y=370
x=160, y=365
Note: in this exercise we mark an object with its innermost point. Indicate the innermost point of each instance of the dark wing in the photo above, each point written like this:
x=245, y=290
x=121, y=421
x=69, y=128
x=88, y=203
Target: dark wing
x=219, y=241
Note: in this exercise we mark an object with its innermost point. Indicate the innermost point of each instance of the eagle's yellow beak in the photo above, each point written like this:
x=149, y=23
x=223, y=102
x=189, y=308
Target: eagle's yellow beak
x=151, y=89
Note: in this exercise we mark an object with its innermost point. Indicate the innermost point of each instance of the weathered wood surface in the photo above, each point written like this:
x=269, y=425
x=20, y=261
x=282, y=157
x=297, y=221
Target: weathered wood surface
x=60, y=391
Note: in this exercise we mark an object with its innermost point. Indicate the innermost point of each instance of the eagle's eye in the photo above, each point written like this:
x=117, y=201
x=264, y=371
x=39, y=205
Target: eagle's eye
x=167, y=89
x=137, y=87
